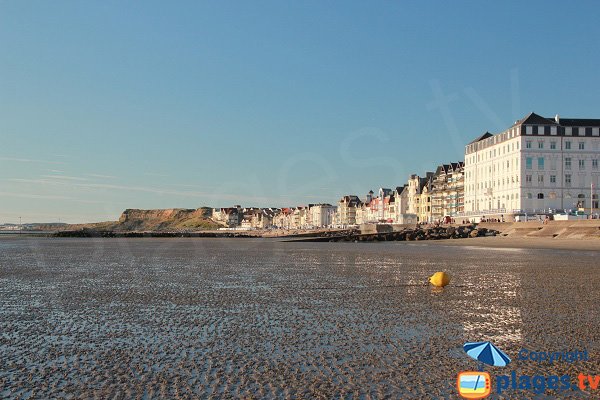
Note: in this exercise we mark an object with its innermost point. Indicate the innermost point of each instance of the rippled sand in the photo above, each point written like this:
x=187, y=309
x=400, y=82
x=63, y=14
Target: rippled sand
x=256, y=318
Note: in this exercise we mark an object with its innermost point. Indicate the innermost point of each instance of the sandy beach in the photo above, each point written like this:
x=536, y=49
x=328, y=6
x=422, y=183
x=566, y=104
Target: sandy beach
x=258, y=318
x=522, y=243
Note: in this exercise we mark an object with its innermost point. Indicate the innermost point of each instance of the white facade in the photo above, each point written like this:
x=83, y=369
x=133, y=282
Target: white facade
x=537, y=165
x=322, y=215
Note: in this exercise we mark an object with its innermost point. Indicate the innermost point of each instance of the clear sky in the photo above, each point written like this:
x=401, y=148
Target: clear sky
x=109, y=105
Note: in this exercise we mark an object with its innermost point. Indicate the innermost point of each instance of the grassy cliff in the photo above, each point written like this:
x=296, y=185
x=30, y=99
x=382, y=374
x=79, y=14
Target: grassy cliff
x=167, y=220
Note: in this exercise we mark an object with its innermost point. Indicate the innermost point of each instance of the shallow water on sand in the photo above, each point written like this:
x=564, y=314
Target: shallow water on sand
x=181, y=318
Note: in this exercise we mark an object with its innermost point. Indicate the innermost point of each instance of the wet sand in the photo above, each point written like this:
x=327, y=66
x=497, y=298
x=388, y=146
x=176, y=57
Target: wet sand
x=591, y=244
x=257, y=318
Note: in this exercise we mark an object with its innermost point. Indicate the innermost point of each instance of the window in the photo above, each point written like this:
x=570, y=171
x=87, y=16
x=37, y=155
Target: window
x=528, y=163
x=528, y=144
x=552, y=178
x=581, y=164
x=540, y=162
x=529, y=196
x=568, y=180
x=540, y=145
x=540, y=195
x=581, y=145
x=567, y=145
x=552, y=195
x=528, y=178
x=553, y=145
x=595, y=164
x=541, y=179
x=568, y=163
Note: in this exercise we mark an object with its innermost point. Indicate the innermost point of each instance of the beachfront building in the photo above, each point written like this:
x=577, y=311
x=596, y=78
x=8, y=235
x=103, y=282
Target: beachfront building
x=398, y=208
x=228, y=216
x=382, y=204
x=423, y=201
x=447, y=191
x=538, y=165
x=377, y=209
x=346, y=210
x=321, y=215
x=299, y=218
x=283, y=218
x=364, y=212
x=258, y=218
x=408, y=200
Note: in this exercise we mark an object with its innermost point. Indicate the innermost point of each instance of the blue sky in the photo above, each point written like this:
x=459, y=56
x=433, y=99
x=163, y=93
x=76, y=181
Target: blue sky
x=110, y=105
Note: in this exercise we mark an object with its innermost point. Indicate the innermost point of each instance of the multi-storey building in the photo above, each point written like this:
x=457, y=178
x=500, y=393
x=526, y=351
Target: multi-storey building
x=346, y=211
x=283, y=218
x=229, y=216
x=321, y=215
x=423, y=201
x=537, y=165
x=447, y=191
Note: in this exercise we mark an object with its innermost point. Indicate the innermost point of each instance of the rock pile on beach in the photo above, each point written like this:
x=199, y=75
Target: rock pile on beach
x=413, y=234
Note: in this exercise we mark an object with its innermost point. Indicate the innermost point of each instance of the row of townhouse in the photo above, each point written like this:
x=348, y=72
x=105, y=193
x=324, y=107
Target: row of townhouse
x=304, y=217
x=311, y=216
x=429, y=198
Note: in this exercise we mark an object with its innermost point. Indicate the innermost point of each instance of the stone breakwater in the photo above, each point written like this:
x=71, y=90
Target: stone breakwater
x=407, y=234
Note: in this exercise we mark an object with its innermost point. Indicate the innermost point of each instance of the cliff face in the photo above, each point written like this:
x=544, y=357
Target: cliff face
x=132, y=214
x=173, y=219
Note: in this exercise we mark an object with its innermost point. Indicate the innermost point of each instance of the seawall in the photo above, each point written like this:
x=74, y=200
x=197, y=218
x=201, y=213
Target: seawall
x=587, y=229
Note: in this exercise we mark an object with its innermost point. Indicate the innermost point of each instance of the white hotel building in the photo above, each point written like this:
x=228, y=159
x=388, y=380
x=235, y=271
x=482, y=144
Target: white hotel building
x=538, y=165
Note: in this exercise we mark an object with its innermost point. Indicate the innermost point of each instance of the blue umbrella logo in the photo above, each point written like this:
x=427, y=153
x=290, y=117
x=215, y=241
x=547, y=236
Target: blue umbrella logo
x=487, y=353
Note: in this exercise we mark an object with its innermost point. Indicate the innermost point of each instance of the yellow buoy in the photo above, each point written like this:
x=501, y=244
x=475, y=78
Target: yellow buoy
x=439, y=279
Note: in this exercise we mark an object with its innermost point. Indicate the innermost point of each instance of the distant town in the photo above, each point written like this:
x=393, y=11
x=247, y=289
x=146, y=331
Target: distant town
x=538, y=168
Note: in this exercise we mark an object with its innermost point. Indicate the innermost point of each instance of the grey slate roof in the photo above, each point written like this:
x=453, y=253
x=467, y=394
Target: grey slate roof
x=579, y=122
x=534, y=119
x=480, y=138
